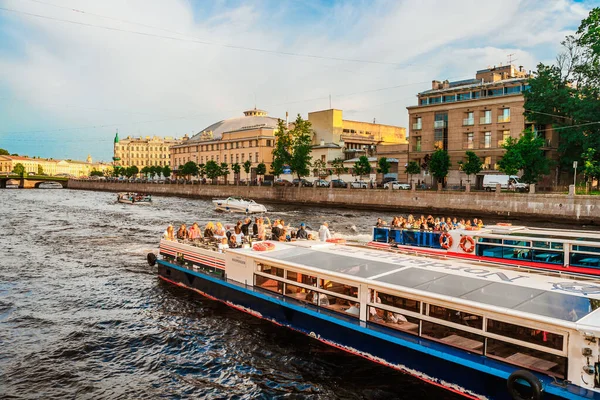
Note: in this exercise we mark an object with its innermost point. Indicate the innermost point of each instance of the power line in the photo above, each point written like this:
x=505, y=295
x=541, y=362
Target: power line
x=199, y=41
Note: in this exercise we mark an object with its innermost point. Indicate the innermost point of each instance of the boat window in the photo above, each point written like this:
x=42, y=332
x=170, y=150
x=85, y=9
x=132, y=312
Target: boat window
x=338, y=287
x=453, y=337
x=399, y=302
x=528, y=358
x=269, y=269
x=268, y=284
x=516, y=252
x=522, y=243
x=455, y=316
x=557, y=246
x=585, y=260
x=302, y=278
x=542, y=245
x=530, y=335
x=393, y=320
x=380, y=235
x=297, y=292
x=485, y=250
x=589, y=249
x=333, y=303
x=552, y=257
x=489, y=240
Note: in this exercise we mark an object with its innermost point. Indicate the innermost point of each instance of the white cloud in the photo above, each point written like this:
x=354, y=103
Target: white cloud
x=109, y=77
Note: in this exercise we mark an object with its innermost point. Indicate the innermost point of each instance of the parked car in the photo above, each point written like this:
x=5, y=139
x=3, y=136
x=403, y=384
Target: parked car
x=396, y=185
x=505, y=181
x=339, y=183
x=283, y=182
x=301, y=182
x=359, y=185
x=322, y=183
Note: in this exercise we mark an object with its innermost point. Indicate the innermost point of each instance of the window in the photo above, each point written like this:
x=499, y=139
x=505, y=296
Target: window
x=464, y=96
x=243, y=157
x=457, y=317
x=487, y=162
x=256, y=156
x=449, y=98
x=337, y=287
x=268, y=284
x=269, y=269
x=249, y=143
x=217, y=158
x=526, y=357
x=469, y=143
x=423, y=101
x=504, y=115
x=512, y=90
x=529, y=335
x=495, y=92
x=435, y=100
x=470, y=119
x=486, y=118
x=393, y=320
x=418, y=124
x=475, y=95
x=225, y=158
x=250, y=157
x=505, y=136
x=418, y=143
x=237, y=158
x=399, y=302
x=302, y=278
x=487, y=140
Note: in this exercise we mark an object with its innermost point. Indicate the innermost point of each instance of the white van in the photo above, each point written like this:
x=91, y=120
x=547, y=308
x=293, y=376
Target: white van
x=490, y=181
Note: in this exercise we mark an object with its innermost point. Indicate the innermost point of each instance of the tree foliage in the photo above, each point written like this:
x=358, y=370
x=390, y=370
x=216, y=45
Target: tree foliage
x=213, y=170
x=145, y=171
x=4, y=152
x=40, y=169
x=292, y=148
x=362, y=166
x=189, y=169
x=261, y=169
x=224, y=170
x=338, y=167
x=131, y=171
x=439, y=165
x=19, y=169
x=383, y=166
x=525, y=154
x=166, y=171
x=247, y=166
x=472, y=166
x=319, y=168
x=591, y=166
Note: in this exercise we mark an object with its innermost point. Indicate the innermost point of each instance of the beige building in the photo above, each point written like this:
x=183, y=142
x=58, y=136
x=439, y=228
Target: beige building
x=52, y=167
x=144, y=151
x=234, y=140
x=473, y=115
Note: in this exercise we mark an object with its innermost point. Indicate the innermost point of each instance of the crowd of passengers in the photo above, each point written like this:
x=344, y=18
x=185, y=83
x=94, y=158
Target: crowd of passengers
x=245, y=231
x=438, y=224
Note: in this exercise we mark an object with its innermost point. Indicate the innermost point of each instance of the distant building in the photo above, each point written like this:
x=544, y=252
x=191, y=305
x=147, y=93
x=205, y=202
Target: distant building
x=52, y=167
x=473, y=115
x=144, y=151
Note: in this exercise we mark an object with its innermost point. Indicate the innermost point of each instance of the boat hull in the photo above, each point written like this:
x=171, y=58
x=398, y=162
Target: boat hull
x=468, y=374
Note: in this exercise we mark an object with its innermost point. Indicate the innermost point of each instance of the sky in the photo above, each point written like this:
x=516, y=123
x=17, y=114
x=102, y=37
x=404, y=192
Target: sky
x=73, y=72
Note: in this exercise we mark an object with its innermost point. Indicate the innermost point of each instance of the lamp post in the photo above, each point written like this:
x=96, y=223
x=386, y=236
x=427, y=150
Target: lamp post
x=575, y=178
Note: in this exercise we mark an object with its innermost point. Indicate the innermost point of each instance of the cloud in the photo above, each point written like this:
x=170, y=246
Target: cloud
x=56, y=76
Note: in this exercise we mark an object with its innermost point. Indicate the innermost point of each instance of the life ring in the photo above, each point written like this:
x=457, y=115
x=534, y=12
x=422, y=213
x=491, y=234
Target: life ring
x=445, y=240
x=263, y=246
x=467, y=244
x=336, y=240
x=533, y=382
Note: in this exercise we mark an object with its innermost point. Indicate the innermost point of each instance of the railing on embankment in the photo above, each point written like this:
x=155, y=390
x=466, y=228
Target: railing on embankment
x=548, y=207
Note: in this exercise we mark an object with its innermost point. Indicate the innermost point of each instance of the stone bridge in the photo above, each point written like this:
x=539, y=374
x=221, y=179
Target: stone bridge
x=30, y=182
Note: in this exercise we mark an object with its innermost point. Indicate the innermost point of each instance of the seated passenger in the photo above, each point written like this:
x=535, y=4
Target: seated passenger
x=194, y=232
x=182, y=233
x=209, y=231
x=320, y=299
x=239, y=236
x=354, y=309
x=302, y=234
x=219, y=231
x=169, y=233
x=261, y=229
x=380, y=223
x=233, y=243
x=255, y=227
x=222, y=245
x=480, y=223
x=394, y=318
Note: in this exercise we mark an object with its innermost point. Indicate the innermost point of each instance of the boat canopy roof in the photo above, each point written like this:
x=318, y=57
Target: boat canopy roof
x=558, y=298
x=541, y=234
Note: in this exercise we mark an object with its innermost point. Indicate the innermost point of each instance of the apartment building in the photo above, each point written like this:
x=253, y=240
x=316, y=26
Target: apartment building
x=476, y=114
x=144, y=151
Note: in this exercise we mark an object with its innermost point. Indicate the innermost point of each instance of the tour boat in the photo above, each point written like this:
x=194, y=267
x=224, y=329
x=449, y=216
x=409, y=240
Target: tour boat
x=565, y=251
x=134, y=198
x=236, y=204
x=478, y=330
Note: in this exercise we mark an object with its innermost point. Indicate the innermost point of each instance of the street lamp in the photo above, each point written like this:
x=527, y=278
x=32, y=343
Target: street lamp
x=575, y=177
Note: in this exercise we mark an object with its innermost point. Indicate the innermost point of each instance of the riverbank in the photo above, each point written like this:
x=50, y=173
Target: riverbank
x=542, y=207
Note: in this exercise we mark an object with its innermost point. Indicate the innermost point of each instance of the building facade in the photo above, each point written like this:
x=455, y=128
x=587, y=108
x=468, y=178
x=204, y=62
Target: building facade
x=52, y=167
x=144, y=151
x=473, y=115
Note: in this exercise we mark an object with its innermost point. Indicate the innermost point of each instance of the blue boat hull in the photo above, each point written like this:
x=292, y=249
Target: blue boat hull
x=469, y=374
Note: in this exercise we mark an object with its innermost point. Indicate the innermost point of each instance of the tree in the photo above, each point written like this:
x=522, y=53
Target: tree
x=439, y=165
x=156, y=170
x=338, y=167
x=472, y=166
x=224, y=171
x=247, y=165
x=96, y=173
x=146, y=171
x=189, y=169
x=383, y=166
x=236, y=168
x=525, y=154
x=261, y=169
x=166, y=171
x=4, y=152
x=40, y=169
x=213, y=170
x=591, y=166
x=511, y=161
x=292, y=148
x=412, y=168
x=362, y=167
x=201, y=170
x=319, y=168
x=19, y=169
x=131, y=171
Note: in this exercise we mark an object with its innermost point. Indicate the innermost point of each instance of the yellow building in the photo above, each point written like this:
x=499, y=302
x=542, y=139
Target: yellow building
x=234, y=140
x=144, y=152
x=52, y=167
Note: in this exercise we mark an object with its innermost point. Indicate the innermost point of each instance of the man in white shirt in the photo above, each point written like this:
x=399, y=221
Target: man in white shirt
x=324, y=233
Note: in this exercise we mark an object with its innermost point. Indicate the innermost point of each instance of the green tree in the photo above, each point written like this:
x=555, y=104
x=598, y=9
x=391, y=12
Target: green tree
x=95, y=172
x=338, y=167
x=201, y=170
x=525, y=154
x=362, y=167
x=319, y=168
x=247, y=166
x=512, y=161
x=213, y=170
x=224, y=171
x=189, y=169
x=131, y=171
x=4, y=152
x=439, y=165
x=292, y=147
x=412, y=168
x=40, y=169
x=383, y=166
x=261, y=169
x=166, y=171
x=236, y=168
x=156, y=170
x=472, y=166
x=591, y=166
x=146, y=171
x=19, y=169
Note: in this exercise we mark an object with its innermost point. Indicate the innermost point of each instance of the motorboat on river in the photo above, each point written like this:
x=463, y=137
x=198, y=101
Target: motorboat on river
x=470, y=327
x=134, y=198
x=564, y=251
x=237, y=204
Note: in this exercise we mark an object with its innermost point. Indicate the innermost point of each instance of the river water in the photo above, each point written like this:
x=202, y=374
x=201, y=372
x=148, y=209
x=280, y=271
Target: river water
x=83, y=316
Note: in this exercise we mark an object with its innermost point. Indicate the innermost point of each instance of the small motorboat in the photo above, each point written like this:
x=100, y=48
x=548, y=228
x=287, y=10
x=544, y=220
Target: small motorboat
x=134, y=198
x=237, y=204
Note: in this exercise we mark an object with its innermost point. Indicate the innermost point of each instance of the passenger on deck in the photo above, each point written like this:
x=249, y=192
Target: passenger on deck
x=169, y=233
x=238, y=234
x=261, y=229
x=194, y=232
x=276, y=230
x=246, y=226
x=219, y=231
x=209, y=231
x=302, y=234
x=324, y=233
x=233, y=243
x=182, y=233
x=380, y=223
x=222, y=244
x=255, y=227
x=480, y=223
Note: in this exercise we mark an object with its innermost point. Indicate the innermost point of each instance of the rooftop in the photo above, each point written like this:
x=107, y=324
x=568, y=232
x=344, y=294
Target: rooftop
x=252, y=119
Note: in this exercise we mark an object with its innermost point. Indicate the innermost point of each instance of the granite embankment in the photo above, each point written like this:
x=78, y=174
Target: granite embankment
x=545, y=207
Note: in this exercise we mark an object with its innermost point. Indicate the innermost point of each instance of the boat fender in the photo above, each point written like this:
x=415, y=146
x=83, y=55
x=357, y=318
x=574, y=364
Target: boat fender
x=467, y=244
x=530, y=379
x=151, y=257
x=445, y=240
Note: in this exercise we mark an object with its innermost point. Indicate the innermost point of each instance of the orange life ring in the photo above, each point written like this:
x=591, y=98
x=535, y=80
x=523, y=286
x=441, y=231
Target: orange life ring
x=336, y=240
x=445, y=240
x=263, y=246
x=467, y=244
